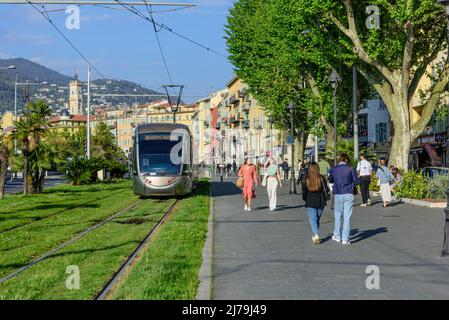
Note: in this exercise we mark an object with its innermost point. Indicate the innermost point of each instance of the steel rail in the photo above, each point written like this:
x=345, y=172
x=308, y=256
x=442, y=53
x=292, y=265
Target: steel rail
x=102, y=294
x=69, y=242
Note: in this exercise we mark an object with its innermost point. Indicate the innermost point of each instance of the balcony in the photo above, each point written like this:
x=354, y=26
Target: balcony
x=218, y=126
x=243, y=93
x=246, y=106
x=246, y=124
x=206, y=124
x=232, y=100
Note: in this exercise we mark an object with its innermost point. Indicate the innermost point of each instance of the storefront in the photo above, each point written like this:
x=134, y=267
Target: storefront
x=429, y=151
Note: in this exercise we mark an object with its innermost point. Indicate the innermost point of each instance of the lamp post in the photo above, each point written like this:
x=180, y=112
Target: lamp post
x=223, y=159
x=445, y=251
x=174, y=106
x=335, y=80
x=291, y=108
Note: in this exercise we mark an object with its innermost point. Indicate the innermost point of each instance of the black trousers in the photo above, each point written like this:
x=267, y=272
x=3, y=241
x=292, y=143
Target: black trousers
x=365, y=181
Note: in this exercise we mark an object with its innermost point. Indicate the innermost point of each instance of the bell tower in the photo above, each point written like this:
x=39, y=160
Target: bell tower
x=76, y=96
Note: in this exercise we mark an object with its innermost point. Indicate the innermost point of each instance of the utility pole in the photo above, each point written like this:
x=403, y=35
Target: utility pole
x=355, y=102
x=88, y=113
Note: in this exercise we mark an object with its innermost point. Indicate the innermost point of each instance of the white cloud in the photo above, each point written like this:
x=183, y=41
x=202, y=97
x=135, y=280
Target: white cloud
x=32, y=39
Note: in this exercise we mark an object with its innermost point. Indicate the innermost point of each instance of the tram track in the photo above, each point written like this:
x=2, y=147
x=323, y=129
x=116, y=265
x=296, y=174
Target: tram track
x=70, y=241
x=125, y=266
x=59, y=212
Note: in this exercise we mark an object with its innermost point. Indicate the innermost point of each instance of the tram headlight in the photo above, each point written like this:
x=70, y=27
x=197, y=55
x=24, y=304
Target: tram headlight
x=172, y=180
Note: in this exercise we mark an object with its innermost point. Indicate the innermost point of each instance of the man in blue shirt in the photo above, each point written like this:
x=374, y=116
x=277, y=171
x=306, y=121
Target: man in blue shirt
x=344, y=181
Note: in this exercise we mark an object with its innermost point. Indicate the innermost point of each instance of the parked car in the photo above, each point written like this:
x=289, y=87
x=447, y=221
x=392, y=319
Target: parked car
x=434, y=171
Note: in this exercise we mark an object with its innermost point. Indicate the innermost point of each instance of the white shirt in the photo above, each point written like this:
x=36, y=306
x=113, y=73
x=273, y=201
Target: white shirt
x=364, y=168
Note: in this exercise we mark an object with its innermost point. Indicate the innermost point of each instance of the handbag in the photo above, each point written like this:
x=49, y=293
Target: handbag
x=325, y=190
x=239, y=183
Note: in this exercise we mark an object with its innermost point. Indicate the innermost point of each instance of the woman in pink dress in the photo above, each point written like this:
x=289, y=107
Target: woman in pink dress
x=250, y=181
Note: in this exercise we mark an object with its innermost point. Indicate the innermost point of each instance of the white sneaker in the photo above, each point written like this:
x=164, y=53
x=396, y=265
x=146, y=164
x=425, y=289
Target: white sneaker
x=246, y=207
x=316, y=239
x=249, y=209
x=336, y=239
x=346, y=242
x=369, y=202
x=364, y=205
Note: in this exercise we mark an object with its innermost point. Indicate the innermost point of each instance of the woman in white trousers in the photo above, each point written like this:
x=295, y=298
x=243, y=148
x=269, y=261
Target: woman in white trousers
x=273, y=181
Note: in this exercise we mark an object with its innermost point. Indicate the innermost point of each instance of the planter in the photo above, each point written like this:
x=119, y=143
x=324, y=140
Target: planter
x=426, y=203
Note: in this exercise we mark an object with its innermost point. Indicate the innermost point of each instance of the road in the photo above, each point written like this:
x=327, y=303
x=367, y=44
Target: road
x=16, y=186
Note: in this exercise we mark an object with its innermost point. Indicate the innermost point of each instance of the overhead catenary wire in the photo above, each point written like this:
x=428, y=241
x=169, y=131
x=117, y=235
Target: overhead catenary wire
x=135, y=11
x=47, y=17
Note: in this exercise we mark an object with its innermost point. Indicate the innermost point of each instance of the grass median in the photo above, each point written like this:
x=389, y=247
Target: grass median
x=22, y=245
x=97, y=256
x=168, y=269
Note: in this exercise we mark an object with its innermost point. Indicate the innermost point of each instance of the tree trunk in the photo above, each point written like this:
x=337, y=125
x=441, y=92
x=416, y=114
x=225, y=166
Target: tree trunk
x=401, y=139
x=329, y=135
x=302, y=141
x=4, y=160
x=26, y=168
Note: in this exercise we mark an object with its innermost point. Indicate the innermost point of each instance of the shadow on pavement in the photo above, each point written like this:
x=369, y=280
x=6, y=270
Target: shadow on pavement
x=225, y=189
x=360, y=235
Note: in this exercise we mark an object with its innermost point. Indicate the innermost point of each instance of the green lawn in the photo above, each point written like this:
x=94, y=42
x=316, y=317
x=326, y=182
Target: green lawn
x=24, y=244
x=17, y=210
x=168, y=270
x=98, y=255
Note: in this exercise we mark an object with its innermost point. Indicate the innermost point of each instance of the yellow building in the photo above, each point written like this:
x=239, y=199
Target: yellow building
x=69, y=123
x=7, y=120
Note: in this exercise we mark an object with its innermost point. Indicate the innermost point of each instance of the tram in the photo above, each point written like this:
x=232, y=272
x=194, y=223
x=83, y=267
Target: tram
x=162, y=160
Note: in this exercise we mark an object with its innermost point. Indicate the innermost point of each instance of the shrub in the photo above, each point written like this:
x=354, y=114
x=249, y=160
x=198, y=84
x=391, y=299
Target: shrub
x=412, y=186
x=81, y=170
x=373, y=186
x=437, y=186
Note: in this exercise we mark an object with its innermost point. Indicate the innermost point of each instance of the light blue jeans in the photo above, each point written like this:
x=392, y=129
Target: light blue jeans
x=314, y=218
x=343, y=208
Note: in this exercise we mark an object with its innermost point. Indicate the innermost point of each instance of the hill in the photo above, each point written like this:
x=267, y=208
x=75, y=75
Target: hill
x=56, y=90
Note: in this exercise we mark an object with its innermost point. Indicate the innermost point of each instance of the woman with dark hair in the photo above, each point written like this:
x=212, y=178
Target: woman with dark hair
x=385, y=180
x=344, y=178
x=250, y=181
x=315, y=193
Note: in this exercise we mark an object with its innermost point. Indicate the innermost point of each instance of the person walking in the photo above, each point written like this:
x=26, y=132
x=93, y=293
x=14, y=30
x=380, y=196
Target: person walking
x=364, y=171
x=274, y=181
x=303, y=172
x=285, y=168
x=250, y=182
x=344, y=179
x=385, y=180
x=315, y=194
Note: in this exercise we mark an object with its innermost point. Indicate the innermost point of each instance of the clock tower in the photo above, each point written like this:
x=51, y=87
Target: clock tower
x=76, y=96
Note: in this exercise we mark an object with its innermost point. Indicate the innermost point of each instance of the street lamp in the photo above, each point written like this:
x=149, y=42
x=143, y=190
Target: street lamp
x=335, y=80
x=291, y=108
x=174, y=106
x=445, y=251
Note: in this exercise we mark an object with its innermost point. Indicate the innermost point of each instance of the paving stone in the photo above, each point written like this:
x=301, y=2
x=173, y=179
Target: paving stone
x=260, y=255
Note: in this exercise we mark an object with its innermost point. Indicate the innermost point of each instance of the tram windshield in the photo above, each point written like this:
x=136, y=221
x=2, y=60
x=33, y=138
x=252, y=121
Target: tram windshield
x=158, y=156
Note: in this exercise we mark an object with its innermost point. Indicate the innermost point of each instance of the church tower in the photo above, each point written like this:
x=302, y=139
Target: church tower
x=76, y=96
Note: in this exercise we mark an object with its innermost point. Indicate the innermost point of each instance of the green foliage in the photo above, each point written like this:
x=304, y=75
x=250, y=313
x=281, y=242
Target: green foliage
x=82, y=170
x=283, y=56
x=412, y=186
x=347, y=146
x=373, y=185
x=437, y=187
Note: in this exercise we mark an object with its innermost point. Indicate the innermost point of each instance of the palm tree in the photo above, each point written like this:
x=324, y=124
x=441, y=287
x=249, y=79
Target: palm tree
x=29, y=130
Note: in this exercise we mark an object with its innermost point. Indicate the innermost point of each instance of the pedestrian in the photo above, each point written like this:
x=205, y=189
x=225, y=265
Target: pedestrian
x=285, y=168
x=303, y=172
x=344, y=179
x=234, y=166
x=385, y=180
x=315, y=194
x=364, y=171
x=250, y=182
x=274, y=181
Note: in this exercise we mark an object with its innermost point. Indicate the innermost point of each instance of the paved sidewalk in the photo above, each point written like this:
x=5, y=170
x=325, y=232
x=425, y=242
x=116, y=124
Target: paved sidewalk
x=263, y=255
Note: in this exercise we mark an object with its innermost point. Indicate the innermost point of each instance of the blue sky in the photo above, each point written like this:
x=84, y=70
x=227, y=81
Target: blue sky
x=122, y=45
